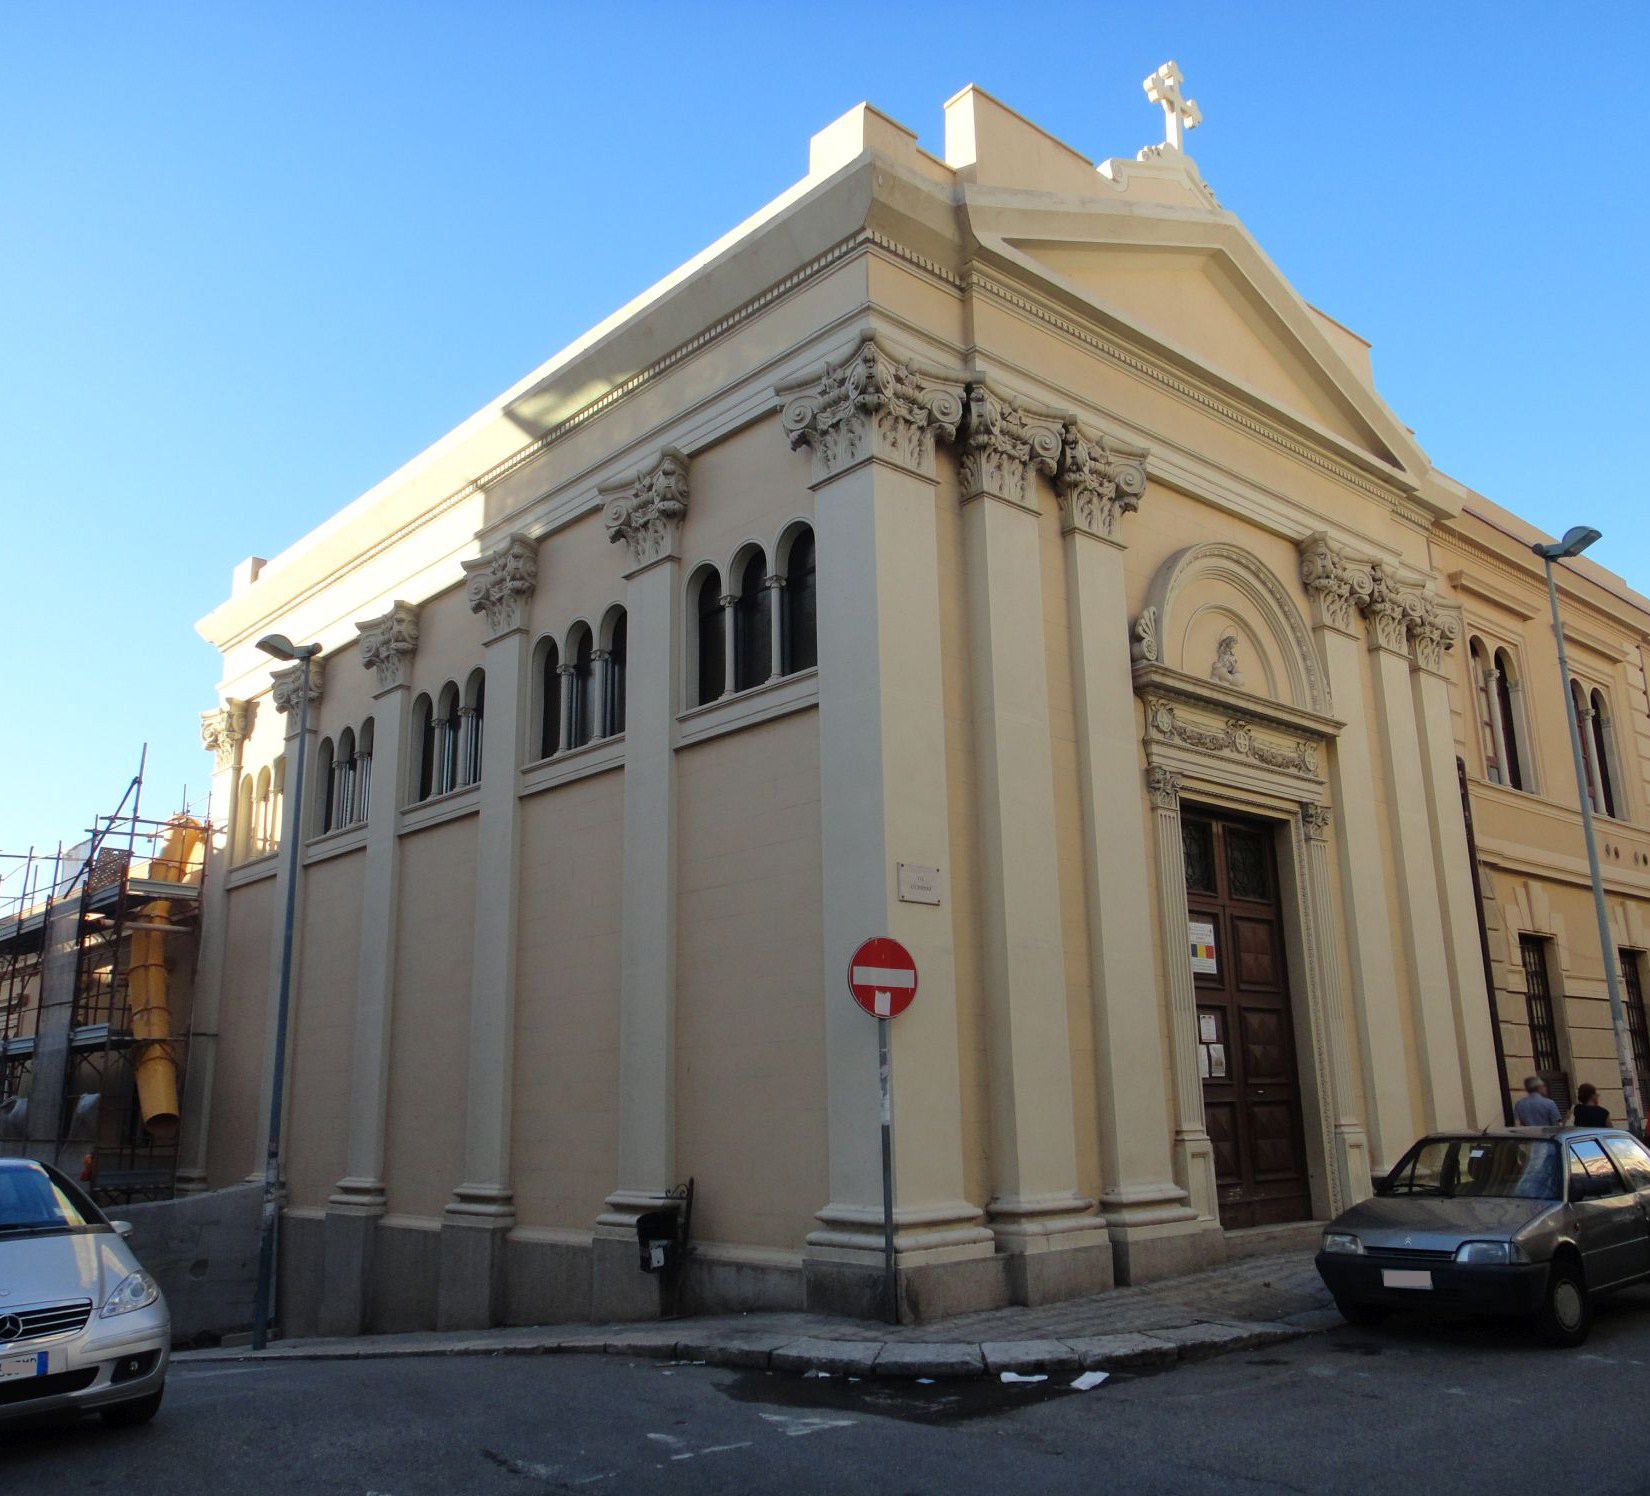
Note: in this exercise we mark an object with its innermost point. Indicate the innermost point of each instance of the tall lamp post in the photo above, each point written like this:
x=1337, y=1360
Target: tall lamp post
x=281, y=648
x=1575, y=541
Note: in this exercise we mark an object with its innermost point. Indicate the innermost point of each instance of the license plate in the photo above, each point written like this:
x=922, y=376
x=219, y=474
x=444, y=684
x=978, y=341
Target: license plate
x=1405, y=1277
x=14, y=1367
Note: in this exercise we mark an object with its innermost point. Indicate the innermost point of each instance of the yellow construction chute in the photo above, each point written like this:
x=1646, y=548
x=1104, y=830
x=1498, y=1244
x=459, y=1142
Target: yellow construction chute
x=178, y=861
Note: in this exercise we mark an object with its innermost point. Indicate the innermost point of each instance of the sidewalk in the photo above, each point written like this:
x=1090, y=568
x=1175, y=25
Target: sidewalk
x=1258, y=1301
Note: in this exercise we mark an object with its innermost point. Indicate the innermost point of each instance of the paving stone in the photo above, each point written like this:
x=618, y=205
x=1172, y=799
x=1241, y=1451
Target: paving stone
x=1197, y=1341
x=852, y=1357
x=732, y=1350
x=1029, y=1355
x=642, y=1343
x=1126, y=1352
x=931, y=1359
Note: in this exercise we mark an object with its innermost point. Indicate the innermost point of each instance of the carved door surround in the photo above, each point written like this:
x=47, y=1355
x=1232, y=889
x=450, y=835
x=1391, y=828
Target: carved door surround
x=1262, y=757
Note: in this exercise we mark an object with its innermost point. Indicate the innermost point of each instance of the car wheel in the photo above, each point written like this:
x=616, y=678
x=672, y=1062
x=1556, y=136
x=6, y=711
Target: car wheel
x=131, y=1414
x=1566, y=1313
x=1366, y=1316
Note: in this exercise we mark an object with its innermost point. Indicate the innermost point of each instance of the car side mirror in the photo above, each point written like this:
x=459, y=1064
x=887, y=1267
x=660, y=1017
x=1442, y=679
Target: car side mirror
x=121, y=1228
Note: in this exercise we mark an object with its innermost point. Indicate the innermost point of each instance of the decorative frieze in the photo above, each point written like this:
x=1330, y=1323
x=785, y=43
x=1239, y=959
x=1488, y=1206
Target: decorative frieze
x=1234, y=737
x=646, y=512
x=287, y=684
x=500, y=583
x=389, y=642
x=1002, y=444
x=224, y=730
x=1098, y=482
x=873, y=405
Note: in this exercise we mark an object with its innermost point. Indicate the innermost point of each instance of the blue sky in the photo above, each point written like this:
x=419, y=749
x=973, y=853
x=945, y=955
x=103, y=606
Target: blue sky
x=255, y=256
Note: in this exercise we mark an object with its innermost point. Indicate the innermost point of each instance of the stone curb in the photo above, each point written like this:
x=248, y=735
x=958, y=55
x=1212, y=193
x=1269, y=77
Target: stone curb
x=1133, y=1351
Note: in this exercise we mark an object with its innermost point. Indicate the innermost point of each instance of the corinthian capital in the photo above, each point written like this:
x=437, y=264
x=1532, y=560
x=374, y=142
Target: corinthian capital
x=223, y=731
x=1432, y=629
x=1098, y=482
x=389, y=642
x=1388, y=609
x=501, y=583
x=873, y=405
x=1163, y=785
x=288, y=685
x=646, y=512
x=1337, y=583
x=1002, y=444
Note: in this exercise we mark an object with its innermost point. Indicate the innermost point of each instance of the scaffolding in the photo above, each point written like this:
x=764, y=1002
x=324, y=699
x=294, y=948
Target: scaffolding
x=80, y=929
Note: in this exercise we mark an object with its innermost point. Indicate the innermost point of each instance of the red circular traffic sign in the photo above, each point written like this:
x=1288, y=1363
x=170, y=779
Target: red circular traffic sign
x=883, y=977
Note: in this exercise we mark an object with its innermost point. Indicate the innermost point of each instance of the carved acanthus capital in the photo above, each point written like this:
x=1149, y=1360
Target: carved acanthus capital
x=224, y=730
x=389, y=642
x=288, y=685
x=1433, y=630
x=1338, y=584
x=1315, y=820
x=1002, y=444
x=873, y=405
x=646, y=512
x=1098, y=482
x=1387, y=609
x=1163, y=785
x=500, y=583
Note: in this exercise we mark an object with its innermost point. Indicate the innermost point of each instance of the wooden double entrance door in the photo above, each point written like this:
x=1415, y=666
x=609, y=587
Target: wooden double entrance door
x=1246, y=1035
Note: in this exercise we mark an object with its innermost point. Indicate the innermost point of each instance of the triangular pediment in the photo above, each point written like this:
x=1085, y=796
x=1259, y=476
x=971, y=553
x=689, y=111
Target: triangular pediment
x=1199, y=289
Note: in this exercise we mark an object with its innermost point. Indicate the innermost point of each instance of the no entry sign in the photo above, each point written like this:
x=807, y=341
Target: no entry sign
x=883, y=977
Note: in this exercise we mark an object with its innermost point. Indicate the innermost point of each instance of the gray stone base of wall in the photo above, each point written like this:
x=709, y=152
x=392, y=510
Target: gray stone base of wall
x=927, y=1292
x=1048, y=1277
x=1145, y=1254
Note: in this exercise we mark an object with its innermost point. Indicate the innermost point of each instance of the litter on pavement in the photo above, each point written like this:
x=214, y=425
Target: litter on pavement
x=1014, y=1376
x=1090, y=1379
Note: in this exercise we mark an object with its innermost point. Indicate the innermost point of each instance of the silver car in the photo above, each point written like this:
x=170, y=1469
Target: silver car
x=82, y=1326
x=1534, y=1221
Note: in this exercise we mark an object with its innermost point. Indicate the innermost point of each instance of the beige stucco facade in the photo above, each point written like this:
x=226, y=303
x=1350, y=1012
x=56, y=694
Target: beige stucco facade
x=1114, y=547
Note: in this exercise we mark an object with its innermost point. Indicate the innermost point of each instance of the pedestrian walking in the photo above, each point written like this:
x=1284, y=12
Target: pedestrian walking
x=1588, y=1112
x=1535, y=1108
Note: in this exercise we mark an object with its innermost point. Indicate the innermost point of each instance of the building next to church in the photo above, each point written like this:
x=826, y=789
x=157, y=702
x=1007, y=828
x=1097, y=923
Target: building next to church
x=994, y=553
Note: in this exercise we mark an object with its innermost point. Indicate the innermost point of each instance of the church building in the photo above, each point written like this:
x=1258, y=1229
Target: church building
x=993, y=553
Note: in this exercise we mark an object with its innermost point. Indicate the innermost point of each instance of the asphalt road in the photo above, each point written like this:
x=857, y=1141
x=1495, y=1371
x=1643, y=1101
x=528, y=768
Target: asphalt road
x=1414, y=1406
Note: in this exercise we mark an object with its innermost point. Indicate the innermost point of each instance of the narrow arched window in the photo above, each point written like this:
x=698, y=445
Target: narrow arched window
x=277, y=801
x=1589, y=744
x=363, y=771
x=1489, y=736
x=613, y=674
x=243, y=819
x=710, y=673
x=581, y=706
x=752, y=624
x=800, y=634
x=549, y=694
x=326, y=803
x=446, y=739
x=261, y=839
x=1509, y=718
x=343, y=780
x=1604, y=749
x=471, y=716
x=423, y=728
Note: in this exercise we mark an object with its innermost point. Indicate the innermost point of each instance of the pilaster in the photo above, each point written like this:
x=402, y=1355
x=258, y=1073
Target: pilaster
x=871, y=423
x=1036, y=1213
x=223, y=734
x=1152, y=1228
x=499, y=587
x=645, y=514
x=388, y=643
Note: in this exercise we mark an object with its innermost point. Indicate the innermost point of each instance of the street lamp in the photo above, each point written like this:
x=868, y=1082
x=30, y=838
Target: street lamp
x=279, y=647
x=1575, y=541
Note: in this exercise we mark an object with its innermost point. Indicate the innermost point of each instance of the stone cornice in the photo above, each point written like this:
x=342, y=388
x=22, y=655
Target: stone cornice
x=500, y=583
x=1178, y=689
x=287, y=685
x=224, y=730
x=1001, y=443
x=646, y=512
x=388, y=643
x=1098, y=482
x=874, y=405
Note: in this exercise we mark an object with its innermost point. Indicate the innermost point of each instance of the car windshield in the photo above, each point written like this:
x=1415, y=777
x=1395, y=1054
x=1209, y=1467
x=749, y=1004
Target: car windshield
x=1503, y=1168
x=32, y=1202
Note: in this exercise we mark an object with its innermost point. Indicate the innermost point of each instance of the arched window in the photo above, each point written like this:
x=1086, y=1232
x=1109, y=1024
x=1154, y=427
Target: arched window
x=613, y=673
x=277, y=801
x=423, y=731
x=326, y=782
x=243, y=819
x=1592, y=724
x=262, y=798
x=1509, y=718
x=446, y=739
x=752, y=623
x=470, y=717
x=549, y=697
x=363, y=772
x=582, y=703
x=1483, y=696
x=710, y=674
x=800, y=639
x=1604, y=749
x=343, y=781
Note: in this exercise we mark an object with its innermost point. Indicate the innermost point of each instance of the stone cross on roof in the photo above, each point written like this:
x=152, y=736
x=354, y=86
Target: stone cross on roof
x=1180, y=114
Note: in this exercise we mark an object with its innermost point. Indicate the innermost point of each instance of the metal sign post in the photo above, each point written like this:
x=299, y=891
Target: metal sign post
x=883, y=980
